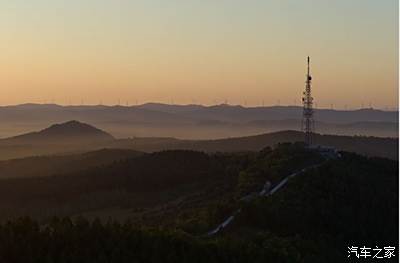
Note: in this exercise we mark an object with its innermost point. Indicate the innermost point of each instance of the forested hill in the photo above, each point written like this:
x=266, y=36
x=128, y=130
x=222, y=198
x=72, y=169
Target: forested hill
x=369, y=146
x=349, y=201
x=47, y=165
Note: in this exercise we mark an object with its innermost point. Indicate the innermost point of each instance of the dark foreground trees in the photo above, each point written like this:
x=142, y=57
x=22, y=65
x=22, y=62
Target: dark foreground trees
x=351, y=201
x=62, y=240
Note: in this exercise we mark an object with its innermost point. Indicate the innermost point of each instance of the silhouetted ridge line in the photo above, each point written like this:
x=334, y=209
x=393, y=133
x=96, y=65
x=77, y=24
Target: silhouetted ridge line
x=71, y=131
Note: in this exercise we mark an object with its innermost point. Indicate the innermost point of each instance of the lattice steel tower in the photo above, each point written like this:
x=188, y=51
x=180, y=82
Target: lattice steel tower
x=307, y=124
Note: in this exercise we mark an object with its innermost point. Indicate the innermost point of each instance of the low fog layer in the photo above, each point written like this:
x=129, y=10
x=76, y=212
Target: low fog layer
x=195, y=121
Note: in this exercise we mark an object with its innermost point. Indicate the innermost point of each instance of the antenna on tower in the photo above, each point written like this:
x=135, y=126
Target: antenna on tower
x=307, y=124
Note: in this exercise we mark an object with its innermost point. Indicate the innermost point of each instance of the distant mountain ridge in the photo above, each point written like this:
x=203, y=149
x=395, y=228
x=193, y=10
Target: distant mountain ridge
x=196, y=121
x=239, y=113
x=219, y=112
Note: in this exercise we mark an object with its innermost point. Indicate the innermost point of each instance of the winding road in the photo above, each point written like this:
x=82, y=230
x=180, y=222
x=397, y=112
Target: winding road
x=266, y=191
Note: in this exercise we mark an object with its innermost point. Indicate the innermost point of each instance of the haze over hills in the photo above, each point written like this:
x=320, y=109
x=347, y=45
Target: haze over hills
x=196, y=121
x=66, y=137
x=214, y=183
x=74, y=136
x=66, y=133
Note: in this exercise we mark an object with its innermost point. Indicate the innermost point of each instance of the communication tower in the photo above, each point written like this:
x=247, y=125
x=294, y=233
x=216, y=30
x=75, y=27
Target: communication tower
x=307, y=124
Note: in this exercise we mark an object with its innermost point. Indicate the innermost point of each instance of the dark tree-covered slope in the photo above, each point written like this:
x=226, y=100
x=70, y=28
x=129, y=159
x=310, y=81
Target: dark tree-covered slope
x=348, y=201
x=345, y=202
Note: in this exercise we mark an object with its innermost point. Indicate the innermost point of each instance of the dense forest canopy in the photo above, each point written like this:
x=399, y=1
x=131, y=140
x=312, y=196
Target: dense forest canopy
x=157, y=207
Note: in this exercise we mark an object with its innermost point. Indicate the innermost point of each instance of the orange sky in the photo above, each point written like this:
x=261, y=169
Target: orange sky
x=203, y=52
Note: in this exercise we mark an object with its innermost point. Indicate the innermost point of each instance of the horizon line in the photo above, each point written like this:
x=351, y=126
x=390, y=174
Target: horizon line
x=386, y=109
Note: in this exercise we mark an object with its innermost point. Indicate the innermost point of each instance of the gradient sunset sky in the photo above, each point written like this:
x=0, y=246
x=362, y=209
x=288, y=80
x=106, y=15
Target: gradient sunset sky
x=205, y=52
